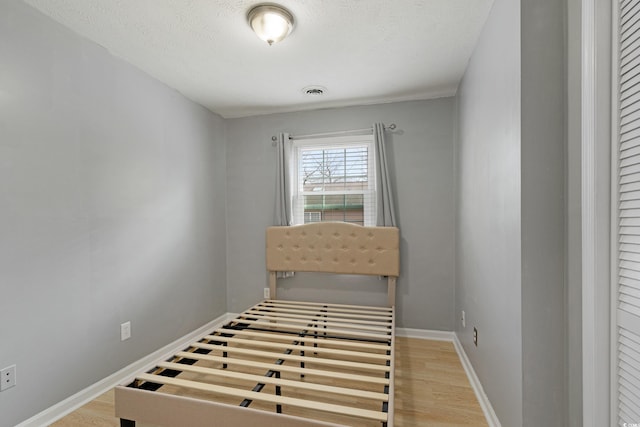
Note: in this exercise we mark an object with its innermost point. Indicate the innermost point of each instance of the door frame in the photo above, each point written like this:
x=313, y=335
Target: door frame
x=596, y=161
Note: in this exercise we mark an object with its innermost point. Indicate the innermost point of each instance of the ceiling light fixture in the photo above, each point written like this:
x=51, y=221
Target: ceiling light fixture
x=272, y=23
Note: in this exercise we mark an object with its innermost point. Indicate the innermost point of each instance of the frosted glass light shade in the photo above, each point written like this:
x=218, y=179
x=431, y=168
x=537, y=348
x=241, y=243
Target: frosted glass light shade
x=270, y=22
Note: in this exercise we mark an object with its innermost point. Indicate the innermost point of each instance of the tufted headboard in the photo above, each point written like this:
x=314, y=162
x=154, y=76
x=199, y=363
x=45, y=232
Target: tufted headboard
x=334, y=247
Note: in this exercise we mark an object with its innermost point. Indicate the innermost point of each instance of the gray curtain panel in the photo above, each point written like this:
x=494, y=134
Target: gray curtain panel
x=385, y=206
x=283, y=213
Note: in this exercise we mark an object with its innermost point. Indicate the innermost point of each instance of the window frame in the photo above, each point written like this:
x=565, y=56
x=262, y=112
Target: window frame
x=335, y=142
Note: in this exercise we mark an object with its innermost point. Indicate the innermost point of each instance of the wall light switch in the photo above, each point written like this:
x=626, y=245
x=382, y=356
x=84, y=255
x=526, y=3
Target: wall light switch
x=125, y=331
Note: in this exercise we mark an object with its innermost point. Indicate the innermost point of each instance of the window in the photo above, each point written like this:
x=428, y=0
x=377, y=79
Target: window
x=310, y=216
x=334, y=180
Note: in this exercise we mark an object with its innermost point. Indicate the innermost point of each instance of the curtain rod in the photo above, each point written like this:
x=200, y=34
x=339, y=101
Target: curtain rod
x=392, y=126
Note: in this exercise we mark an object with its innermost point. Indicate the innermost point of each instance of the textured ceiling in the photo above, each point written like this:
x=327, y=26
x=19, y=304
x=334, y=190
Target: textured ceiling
x=362, y=51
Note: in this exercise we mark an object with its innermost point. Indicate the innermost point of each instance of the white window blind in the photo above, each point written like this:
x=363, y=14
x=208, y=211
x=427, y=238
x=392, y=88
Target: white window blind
x=335, y=180
x=627, y=287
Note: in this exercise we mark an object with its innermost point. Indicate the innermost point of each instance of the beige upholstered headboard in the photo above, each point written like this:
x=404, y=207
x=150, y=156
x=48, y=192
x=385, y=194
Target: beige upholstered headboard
x=334, y=247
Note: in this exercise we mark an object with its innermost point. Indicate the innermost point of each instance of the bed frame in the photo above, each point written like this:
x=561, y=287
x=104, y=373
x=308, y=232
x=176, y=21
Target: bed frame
x=286, y=363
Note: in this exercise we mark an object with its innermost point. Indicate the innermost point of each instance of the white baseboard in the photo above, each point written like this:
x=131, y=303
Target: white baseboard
x=127, y=374
x=425, y=334
x=485, y=404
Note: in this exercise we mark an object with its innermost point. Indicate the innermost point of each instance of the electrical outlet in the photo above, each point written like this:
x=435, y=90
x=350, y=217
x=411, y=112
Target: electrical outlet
x=267, y=293
x=475, y=336
x=8, y=377
x=464, y=320
x=125, y=331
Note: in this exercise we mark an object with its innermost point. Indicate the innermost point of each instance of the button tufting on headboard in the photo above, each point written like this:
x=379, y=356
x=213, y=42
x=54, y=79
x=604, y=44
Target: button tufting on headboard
x=334, y=247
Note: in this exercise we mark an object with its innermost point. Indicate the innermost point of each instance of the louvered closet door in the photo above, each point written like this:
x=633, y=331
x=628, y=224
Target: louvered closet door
x=627, y=313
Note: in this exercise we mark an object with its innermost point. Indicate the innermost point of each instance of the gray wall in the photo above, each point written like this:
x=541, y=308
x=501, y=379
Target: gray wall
x=488, y=231
x=421, y=163
x=112, y=191
x=512, y=212
x=543, y=213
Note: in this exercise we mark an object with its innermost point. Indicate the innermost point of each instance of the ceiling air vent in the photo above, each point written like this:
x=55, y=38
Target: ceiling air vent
x=314, y=90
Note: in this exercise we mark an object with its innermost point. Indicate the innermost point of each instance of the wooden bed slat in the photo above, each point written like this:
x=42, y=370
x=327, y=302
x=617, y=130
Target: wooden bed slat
x=309, y=311
x=276, y=381
x=252, y=395
x=382, y=346
x=308, y=359
x=297, y=347
x=333, y=307
x=317, y=321
x=284, y=368
x=337, y=332
x=318, y=317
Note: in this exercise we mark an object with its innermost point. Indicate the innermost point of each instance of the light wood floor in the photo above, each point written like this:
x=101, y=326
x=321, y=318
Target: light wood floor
x=432, y=389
